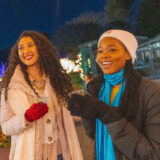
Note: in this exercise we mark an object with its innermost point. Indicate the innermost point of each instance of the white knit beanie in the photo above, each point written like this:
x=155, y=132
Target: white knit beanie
x=126, y=38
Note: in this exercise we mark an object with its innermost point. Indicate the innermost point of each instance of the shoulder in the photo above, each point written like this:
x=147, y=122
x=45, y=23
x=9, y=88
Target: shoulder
x=150, y=94
x=148, y=85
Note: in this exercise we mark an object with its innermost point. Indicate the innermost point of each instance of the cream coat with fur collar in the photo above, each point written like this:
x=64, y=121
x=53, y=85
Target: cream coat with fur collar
x=24, y=145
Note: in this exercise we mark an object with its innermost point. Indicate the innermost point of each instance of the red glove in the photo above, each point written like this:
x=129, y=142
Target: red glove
x=36, y=111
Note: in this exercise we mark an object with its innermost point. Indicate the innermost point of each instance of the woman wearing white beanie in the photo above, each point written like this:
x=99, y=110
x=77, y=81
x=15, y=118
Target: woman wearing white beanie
x=122, y=113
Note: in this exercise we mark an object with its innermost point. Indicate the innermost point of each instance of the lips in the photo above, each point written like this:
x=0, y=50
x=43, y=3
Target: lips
x=28, y=57
x=106, y=64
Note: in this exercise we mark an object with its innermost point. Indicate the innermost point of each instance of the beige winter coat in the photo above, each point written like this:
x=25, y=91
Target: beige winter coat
x=24, y=145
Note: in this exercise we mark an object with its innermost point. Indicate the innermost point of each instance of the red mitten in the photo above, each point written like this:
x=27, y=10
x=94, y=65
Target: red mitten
x=36, y=111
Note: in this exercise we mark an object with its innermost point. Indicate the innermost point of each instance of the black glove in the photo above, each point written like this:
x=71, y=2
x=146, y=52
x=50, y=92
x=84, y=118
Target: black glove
x=87, y=107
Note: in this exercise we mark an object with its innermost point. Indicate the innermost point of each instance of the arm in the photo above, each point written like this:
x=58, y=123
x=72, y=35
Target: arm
x=135, y=144
x=89, y=124
x=16, y=124
x=13, y=122
x=93, y=87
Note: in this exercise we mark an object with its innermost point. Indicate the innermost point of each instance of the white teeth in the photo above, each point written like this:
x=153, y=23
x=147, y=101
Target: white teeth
x=28, y=57
x=104, y=63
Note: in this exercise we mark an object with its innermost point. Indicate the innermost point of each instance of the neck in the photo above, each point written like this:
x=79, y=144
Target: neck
x=118, y=85
x=34, y=72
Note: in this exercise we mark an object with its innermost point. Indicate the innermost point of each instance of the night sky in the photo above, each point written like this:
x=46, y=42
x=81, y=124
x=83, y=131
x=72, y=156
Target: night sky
x=40, y=15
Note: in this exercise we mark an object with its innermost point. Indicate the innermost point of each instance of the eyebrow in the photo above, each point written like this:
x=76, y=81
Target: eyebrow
x=111, y=45
x=28, y=43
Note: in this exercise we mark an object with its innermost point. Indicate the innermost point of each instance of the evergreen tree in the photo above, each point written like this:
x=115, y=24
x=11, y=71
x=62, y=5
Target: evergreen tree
x=149, y=18
x=117, y=13
x=70, y=36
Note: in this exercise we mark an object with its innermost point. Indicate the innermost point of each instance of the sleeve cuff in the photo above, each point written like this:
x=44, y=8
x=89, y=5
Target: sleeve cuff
x=26, y=123
x=111, y=116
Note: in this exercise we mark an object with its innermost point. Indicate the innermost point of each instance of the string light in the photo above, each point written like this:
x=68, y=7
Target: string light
x=69, y=65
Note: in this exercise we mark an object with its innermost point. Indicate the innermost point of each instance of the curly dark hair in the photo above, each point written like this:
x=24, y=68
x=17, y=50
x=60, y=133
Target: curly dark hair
x=49, y=64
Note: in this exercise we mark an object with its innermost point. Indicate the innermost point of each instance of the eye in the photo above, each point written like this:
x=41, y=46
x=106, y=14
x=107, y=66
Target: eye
x=99, y=51
x=30, y=45
x=21, y=48
x=112, y=50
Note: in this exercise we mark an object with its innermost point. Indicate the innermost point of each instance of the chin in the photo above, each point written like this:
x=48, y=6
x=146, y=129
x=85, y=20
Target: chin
x=28, y=64
x=31, y=63
x=108, y=71
x=111, y=72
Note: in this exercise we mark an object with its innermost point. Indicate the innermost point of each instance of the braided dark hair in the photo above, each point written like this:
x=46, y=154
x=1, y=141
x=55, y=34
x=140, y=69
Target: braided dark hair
x=130, y=99
x=49, y=64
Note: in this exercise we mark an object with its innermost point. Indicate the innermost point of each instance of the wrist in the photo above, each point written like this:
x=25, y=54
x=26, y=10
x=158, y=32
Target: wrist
x=104, y=109
x=111, y=116
x=28, y=116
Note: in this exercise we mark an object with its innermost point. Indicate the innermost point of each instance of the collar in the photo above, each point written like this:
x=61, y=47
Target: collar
x=18, y=82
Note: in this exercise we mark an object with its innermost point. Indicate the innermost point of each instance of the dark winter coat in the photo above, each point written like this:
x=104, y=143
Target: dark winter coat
x=140, y=138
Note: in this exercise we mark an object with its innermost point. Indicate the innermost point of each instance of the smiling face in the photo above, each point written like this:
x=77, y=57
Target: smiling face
x=28, y=52
x=111, y=55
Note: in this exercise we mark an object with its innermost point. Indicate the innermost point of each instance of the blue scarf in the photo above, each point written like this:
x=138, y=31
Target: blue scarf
x=104, y=146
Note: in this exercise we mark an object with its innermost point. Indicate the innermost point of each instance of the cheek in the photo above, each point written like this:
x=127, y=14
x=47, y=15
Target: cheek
x=20, y=56
x=37, y=57
x=120, y=64
x=97, y=59
x=118, y=58
x=36, y=52
x=19, y=53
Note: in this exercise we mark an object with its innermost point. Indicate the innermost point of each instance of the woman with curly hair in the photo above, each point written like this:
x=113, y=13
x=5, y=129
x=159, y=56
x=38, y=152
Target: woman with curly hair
x=122, y=113
x=33, y=107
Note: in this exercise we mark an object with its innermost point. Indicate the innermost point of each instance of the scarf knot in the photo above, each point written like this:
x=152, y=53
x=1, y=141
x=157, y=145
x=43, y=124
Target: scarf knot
x=114, y=79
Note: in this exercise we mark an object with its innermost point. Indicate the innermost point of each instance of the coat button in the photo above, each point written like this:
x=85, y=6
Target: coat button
x=48, y=121
x=50, y=138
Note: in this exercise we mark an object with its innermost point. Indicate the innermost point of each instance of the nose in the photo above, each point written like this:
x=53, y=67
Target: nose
x=26, y=50
x=106, y=53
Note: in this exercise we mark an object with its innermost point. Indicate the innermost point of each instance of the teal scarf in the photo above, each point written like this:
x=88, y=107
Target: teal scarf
x=104, y=146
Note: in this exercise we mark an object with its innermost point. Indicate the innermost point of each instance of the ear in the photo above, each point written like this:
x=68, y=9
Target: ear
x=127, y=56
